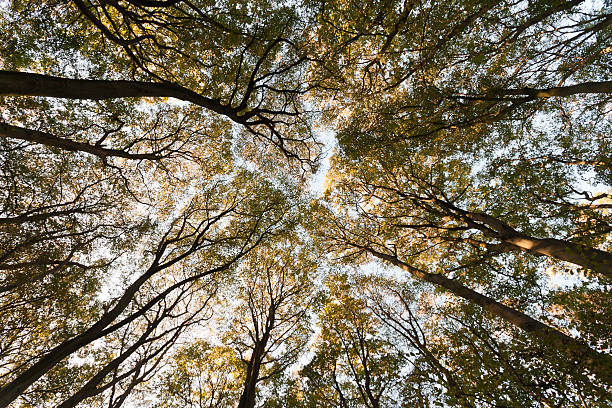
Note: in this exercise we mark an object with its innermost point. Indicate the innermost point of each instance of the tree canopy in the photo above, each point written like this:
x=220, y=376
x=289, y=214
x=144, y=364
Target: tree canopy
x=305, y=204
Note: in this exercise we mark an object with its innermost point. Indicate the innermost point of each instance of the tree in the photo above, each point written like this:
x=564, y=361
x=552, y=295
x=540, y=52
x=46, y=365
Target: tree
x=249, y=66
x=353, y=364
x=140, y=351
x=154, y=157
x=271, y=321
x=215, y=230
x=384, y=227
x=263, y=330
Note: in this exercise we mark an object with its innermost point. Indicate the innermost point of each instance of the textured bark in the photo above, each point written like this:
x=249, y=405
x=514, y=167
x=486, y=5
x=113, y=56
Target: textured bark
x=598, y=363
x=595, y=259
x=582, y=255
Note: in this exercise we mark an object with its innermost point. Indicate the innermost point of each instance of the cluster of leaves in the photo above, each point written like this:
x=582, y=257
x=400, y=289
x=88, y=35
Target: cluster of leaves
x=158, y=246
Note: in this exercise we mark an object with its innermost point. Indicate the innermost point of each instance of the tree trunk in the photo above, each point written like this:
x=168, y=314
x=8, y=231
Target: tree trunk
x=13, y=389
x=247, y=398
x=90, y=388
x=591, y=258
x=28, y=84
x=17, y=386
x=598, y=261
x=598, y=363
x=562, y=91
x=47, y=139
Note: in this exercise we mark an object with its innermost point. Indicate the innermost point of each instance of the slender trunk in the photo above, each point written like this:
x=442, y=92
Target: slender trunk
x=13, y=389
x=22, y=278
x=47, y=139
x=562, y=91
x=535, y=19
x=29, y=84
x=598, y=363
x=341, y=397
x=451, y=384
x=247, y=398
x=90, y=388
x=103, y=326
x=30, y=216
x=98, y=330
x=591, y=258
x=582, y=255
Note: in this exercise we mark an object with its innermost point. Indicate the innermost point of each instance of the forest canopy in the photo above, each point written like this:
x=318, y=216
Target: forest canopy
x=325, y=203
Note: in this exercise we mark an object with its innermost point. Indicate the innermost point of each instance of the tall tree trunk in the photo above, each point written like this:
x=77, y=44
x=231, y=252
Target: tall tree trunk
x=582, y=255
x=91, y=387
x=17, y=386
x=591, y=258
x=598, y=363
x=47, y=139
x=247, y=398
x=595, y=259
x=589, y=87
x=29, y=84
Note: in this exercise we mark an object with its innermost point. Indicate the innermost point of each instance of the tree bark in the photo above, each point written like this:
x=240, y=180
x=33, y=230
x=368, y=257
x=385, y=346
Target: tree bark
x=598, y=363
x=591, y=258
x=14, y=83
x=47, y=139
x=589, y=87
x=582, y=255
x=595, y=259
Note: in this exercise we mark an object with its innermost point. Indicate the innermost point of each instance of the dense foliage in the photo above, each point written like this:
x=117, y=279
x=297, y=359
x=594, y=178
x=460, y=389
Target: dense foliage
x=305, y=204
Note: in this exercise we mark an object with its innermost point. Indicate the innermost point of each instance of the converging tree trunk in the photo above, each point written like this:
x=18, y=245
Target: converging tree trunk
x=14, y=83
x=598, y=363
x=47, y=139
x=582, y=255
